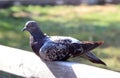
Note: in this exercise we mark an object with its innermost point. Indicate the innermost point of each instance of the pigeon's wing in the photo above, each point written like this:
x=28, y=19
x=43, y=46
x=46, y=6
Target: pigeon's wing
x=91, y=57
x=60, y=48
x=84, y=47
x=89, y=45
x=55, y=51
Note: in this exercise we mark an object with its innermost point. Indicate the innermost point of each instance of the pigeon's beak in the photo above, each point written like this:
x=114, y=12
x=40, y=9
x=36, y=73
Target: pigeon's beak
x=24, y=29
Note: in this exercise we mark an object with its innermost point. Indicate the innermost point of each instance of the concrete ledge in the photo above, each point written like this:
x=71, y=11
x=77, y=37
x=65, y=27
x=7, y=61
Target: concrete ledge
x=27, y=64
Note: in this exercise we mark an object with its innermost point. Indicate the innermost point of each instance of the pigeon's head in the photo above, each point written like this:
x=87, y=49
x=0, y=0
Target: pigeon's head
x=31, y=26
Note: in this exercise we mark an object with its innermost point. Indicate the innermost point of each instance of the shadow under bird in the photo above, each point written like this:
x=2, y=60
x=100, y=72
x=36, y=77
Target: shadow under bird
x=60, y=48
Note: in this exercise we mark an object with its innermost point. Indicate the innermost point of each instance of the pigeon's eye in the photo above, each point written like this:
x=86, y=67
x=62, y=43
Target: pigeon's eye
x=30, y=26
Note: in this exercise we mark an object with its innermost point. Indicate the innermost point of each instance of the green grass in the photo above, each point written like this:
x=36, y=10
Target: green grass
x=82, y=22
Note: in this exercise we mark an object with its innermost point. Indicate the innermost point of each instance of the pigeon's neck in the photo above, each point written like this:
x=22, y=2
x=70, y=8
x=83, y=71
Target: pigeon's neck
x=37, y=35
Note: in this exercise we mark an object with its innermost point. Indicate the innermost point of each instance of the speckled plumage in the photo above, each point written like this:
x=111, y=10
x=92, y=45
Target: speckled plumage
x=60, y=48
x=57, y=48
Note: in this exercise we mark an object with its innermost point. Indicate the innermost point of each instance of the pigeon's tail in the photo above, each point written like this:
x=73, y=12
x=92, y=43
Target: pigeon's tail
x=91, y=57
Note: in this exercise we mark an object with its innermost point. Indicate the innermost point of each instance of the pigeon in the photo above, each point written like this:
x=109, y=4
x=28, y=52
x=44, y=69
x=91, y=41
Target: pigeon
x=60, y=48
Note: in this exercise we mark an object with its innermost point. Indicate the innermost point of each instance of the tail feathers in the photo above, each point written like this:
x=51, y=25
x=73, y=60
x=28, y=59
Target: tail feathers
x=88, y=45
x=91, y=57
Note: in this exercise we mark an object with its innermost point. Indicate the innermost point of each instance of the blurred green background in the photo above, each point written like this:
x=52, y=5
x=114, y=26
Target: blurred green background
x=82, y=22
